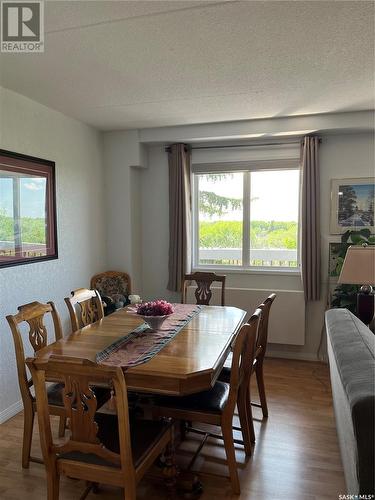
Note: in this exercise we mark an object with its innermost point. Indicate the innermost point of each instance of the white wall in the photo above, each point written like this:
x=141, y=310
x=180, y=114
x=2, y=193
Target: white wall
x=350, y=155
x=30, y=128
x=122, y=157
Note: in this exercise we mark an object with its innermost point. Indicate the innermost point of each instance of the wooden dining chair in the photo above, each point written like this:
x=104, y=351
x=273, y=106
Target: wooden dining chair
x=260, y=352
x=101, y=447
x=34, y=314
x=85, y=307
x=216, y=405
x=203, y=291
x=257, y=365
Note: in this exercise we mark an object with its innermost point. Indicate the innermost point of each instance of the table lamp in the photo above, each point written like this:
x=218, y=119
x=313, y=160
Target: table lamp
x=359, y=269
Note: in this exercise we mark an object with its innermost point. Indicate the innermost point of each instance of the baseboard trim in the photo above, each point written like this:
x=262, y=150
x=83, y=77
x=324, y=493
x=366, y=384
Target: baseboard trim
x=302, y=356
x=10, y=411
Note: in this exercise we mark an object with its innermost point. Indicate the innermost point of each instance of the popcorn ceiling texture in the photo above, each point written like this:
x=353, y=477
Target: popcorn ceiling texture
x=30, y=128
x=151, y=64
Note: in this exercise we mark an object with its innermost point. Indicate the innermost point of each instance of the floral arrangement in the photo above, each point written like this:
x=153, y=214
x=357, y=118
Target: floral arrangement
x=155, y=308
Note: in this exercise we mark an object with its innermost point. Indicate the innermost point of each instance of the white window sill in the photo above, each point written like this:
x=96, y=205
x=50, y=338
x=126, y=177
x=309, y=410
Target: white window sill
x=249, y=270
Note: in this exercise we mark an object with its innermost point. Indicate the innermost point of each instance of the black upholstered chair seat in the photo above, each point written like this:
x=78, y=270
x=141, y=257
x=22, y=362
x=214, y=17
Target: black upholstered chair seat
x=55, y=394
x=144, y=434
x=225, y=374
x=213, y=400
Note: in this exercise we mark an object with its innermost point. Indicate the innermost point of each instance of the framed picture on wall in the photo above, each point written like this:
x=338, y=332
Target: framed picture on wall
x=27, y=209
x=352, y=204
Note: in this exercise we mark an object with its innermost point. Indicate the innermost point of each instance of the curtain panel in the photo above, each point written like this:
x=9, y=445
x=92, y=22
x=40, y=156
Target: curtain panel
x=179, y=160
x=310, y=218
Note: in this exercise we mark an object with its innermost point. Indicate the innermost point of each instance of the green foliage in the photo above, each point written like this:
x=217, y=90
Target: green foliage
x=273, y=234
x=6, y=228
x=358, y=237
x=228, y=234
x=345, y=296
x=213, y=204
x=219, y=176
x=220, y=234
x=347, y=202
x=32, y=230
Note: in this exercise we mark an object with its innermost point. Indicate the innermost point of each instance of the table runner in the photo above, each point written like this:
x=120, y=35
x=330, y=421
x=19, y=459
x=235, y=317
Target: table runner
x=142, y=344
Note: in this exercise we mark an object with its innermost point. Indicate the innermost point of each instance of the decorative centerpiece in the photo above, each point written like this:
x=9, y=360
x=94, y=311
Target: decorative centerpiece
x=154, y=313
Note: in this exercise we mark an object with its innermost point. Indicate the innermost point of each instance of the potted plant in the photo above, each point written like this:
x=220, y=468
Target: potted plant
x=345, y=296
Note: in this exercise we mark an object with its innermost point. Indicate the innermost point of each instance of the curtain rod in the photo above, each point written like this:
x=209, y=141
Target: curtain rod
x=168, y=148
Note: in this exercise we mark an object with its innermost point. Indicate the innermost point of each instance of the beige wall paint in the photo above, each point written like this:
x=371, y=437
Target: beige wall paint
x=30, y=128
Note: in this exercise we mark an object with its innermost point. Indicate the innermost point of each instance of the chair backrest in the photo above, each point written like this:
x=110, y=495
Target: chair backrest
x=78, y=377
x=113, y=284
x=243, y=357
x=33, y=314
x=203, y=291
x=89, y=305
x=261, y=343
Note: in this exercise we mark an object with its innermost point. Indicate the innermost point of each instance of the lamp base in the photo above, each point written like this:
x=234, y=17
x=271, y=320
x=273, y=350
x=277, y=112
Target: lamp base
x=365, y=307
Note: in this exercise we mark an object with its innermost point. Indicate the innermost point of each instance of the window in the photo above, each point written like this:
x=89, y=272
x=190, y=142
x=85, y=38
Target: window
x=27, y=209
x=246, y=219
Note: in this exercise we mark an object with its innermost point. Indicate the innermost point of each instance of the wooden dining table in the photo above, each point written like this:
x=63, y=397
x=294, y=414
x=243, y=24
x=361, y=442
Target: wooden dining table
x=189, y=363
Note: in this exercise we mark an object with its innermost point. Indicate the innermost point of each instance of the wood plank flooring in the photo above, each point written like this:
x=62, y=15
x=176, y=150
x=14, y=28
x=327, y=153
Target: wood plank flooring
x=296, y=456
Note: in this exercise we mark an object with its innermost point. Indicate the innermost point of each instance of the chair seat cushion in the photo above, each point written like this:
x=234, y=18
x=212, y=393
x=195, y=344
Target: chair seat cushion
x=213, y=400
x=144, y=435
x=55, y=394
x=225, y=374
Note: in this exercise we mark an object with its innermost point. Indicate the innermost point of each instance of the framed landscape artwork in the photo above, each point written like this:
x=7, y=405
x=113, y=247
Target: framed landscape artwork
x=352, y=204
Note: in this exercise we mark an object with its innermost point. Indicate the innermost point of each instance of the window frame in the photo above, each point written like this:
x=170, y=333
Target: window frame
x=20, y=163
x=246, y=167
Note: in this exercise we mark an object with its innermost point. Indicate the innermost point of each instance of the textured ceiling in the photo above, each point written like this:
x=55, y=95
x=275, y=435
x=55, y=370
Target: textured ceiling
x=142, y=64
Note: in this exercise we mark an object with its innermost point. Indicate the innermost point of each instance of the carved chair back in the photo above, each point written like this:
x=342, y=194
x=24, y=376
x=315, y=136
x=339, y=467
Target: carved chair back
x=33, y=314
x=89, y=305
x=78, y=377
x=203, y=291
x=242, y=358
x=261, y=343
x=113, y=284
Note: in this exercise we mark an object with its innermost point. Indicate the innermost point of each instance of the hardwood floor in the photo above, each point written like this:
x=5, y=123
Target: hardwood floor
x=296, y=455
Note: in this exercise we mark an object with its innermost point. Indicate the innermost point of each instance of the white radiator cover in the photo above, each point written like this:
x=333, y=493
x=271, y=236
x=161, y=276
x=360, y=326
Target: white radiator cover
x=287, y=318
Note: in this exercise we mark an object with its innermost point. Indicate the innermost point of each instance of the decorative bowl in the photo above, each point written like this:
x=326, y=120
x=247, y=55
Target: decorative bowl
x=154, y=312
x=154, y=322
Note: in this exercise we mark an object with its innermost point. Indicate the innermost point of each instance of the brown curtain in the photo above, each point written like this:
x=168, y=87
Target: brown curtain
x=310, y=218
x=179, y=159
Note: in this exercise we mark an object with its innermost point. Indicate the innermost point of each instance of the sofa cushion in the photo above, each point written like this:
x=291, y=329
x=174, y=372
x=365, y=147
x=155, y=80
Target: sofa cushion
x=353, y=354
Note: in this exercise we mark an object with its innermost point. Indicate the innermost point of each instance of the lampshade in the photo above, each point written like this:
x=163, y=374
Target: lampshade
x=359, y=266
